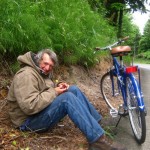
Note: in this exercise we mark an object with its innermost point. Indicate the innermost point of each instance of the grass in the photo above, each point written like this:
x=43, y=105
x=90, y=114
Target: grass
x=141, y=61
x=70, y=28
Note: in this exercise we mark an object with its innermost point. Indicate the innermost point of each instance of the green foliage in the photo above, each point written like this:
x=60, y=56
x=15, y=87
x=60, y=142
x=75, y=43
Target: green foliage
x=145, y=44
x=128, y=28
x=14, y=67
x=144, y=55
x=137, y=5
x=117, y=6
x=131, y=30
x=115, y=9
x=145, y=40
x=98, y=6
x=69, y=27
x=21, y=30
x=141, y=60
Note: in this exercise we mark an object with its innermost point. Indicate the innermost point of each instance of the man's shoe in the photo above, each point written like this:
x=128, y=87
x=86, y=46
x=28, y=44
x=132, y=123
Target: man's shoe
x=105, y=144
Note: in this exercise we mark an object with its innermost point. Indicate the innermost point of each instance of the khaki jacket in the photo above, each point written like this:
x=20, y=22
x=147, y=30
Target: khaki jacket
x=30, y=92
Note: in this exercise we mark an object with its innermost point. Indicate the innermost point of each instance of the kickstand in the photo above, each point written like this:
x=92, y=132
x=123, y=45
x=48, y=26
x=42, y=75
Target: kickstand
x=122, y=115
x=118, y=121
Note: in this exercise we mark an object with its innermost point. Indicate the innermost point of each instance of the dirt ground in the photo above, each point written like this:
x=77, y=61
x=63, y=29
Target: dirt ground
x=65, y=136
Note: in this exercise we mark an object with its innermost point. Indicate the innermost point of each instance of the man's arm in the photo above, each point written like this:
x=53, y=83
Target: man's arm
x=30, y=99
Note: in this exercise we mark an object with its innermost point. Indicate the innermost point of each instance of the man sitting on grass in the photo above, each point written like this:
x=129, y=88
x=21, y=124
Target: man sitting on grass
x=37, y=105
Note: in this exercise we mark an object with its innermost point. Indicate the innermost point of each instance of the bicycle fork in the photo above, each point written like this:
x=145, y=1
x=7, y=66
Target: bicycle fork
x=116, y=92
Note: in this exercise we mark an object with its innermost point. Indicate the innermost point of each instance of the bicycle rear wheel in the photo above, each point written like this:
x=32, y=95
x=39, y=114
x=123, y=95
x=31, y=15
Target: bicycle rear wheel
x=137, y=117
x=110, y=91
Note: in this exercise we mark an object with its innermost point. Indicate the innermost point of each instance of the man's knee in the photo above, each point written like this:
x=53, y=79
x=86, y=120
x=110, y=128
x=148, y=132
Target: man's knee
x=70, y=97
x=68, y=94
x=73, y=88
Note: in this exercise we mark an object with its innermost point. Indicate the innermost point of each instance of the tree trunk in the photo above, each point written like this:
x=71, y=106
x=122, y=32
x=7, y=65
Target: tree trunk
x=119, y=35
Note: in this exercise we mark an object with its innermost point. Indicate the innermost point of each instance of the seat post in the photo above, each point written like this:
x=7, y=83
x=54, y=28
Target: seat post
x=121, y=61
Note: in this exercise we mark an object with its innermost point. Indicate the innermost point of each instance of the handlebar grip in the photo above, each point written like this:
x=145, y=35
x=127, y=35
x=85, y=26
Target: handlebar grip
x=125, y=38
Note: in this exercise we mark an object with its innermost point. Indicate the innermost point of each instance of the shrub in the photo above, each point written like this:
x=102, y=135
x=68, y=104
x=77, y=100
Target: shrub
x=69, y=27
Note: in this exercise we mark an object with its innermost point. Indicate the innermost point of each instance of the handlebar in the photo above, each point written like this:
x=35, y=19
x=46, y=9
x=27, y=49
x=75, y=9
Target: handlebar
x=125, y=38
x=114, y=44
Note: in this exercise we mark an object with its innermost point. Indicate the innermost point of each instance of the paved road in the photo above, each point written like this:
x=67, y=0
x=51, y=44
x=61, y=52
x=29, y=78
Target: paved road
x=144, y=66
x=124, y=131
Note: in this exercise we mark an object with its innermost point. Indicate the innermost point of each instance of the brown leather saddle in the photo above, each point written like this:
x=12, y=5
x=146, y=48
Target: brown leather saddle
x=120, y=51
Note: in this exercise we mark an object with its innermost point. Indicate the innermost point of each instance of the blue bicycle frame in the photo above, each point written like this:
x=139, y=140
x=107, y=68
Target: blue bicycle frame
x=122, y=91
x=119, y=71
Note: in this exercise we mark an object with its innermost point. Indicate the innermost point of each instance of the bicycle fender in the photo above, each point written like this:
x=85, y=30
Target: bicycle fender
x=138, y=92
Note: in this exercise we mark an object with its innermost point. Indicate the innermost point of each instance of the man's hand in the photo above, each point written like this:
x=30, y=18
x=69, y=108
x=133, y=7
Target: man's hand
x=61, y=88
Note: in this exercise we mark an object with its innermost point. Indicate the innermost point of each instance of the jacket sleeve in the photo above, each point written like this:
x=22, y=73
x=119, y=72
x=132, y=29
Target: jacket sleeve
x=30, y=99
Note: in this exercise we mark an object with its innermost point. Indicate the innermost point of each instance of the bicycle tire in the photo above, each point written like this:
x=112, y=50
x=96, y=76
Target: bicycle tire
x=137, y=117
x=112, y=100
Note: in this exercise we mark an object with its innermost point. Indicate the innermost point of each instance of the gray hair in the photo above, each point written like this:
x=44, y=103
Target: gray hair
x=51, y=54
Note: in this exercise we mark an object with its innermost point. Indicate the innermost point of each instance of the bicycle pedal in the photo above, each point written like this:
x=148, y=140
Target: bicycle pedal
x=113, y=113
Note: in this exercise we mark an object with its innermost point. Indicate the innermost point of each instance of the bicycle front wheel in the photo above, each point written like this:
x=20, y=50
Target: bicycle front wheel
x=137, y=117
x=111, y=91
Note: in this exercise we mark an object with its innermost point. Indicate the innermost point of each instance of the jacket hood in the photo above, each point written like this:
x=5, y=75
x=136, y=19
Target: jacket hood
x=27, y=60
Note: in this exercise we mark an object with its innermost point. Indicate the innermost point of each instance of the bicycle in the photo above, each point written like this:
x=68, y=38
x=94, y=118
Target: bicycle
x=122, y=91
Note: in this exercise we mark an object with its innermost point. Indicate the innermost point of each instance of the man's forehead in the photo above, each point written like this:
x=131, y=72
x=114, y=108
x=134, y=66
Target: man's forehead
x=46, y=58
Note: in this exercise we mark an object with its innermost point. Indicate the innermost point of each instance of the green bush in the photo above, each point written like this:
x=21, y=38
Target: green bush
x=69, y=27
x=144, y=55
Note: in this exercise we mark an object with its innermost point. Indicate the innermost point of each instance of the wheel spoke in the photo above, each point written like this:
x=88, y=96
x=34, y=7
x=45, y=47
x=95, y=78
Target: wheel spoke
x=135, y=115
x=112, y=96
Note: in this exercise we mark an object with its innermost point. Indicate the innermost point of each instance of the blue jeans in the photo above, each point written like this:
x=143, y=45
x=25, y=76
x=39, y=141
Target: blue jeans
x=74, y=104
